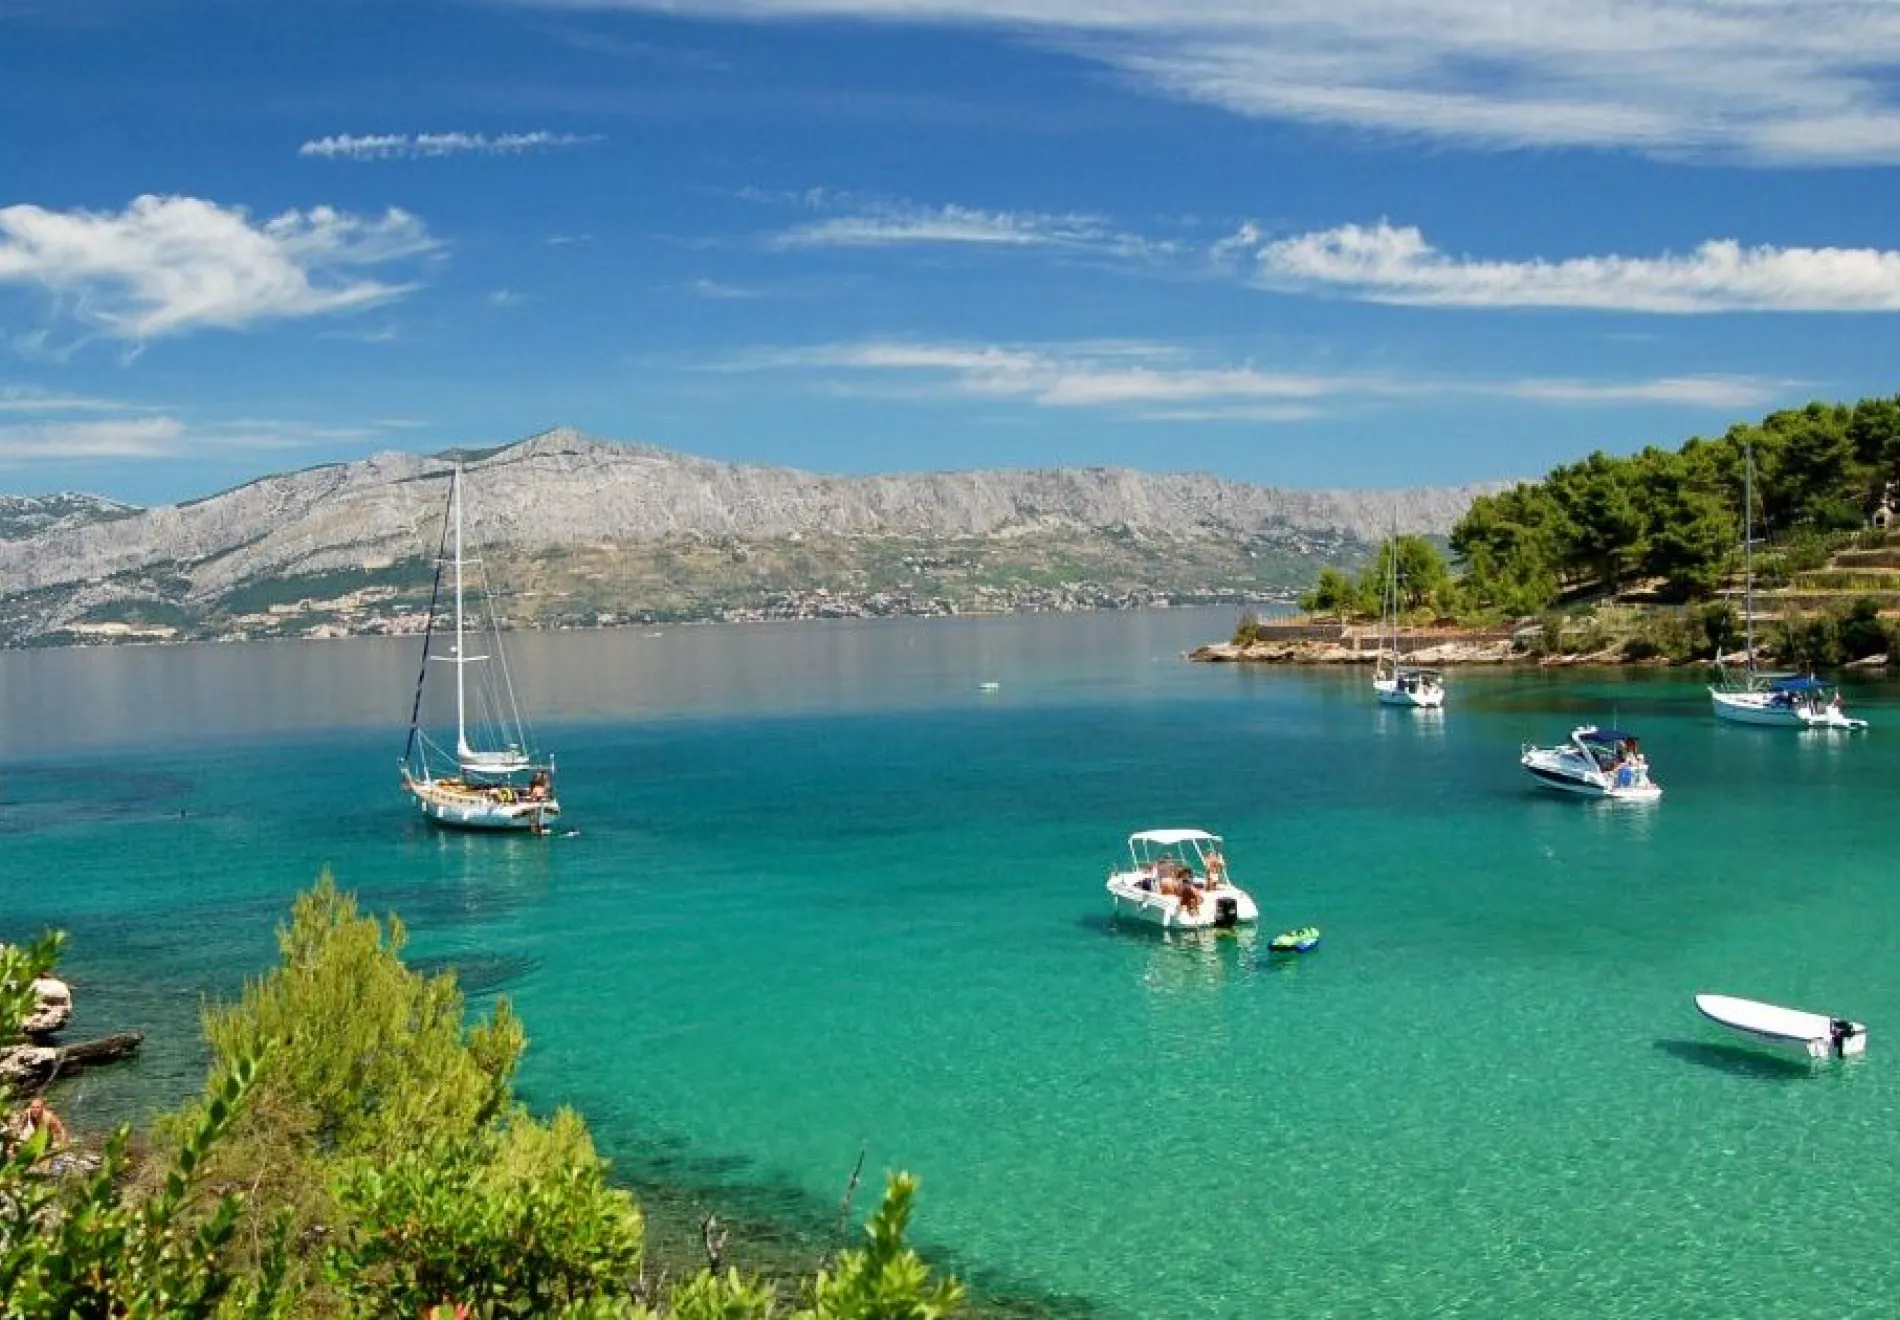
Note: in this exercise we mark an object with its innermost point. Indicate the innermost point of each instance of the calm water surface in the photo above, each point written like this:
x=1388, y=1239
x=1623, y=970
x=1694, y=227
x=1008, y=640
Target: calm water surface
x=827, y=895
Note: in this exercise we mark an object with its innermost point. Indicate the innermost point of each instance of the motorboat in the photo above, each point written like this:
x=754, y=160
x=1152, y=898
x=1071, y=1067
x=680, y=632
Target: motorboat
x=1177, y=879
x=1820, y=1036
x=1599, y=763
x=1788, y=701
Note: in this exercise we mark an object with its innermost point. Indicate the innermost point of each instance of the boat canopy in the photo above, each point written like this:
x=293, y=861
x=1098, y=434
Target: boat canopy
x=1603, y=736
x=1168, y=838
x=1419, y=670
x=1799, y=683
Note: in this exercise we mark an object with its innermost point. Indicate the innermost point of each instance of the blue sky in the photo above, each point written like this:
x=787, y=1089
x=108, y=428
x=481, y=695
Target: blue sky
x=1350, y=242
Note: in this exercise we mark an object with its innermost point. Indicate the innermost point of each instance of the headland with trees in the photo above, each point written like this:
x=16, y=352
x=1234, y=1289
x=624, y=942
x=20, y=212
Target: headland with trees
x=1639, y=558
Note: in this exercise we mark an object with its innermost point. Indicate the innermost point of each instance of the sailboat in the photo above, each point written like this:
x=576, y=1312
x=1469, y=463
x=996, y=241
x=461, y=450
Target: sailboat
x=490, y=779
x=1785, y=701
x=1393, y=683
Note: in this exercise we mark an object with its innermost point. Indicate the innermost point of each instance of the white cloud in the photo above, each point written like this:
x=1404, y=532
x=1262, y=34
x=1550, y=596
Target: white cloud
x=414, y=146
x=902, y=223
x=51, y=438
x=166, y=265
x=1165, y=383
x=505, y=298
x=28, y=399
x=1396, y=264
x=131, y=438
x=1761, y=81
x=719, y=291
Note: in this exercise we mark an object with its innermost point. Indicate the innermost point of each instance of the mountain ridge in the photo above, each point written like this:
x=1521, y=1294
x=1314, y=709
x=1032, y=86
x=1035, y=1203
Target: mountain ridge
x=560, y=497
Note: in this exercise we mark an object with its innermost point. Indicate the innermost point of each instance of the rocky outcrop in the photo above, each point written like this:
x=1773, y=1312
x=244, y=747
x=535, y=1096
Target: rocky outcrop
x=1319, y=652
x=54, y=1008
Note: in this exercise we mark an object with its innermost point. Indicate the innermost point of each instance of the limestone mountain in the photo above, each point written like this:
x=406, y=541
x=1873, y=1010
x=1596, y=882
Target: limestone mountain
x=585, y=531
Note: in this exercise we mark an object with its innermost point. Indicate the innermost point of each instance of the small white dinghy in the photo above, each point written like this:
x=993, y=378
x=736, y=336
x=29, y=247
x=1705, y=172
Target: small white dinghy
x=1822, y=1036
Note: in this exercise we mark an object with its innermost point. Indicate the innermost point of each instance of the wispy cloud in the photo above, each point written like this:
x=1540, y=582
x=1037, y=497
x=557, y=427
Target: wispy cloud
x=1166, y=383
x=29, y=399
x=506, y=298
x=719, y=291
x=1396, y=264
x=117, y=438
x=899, y=223
x=1767, y=81
x=166, y=265
x=416, y=146
x=152, y=438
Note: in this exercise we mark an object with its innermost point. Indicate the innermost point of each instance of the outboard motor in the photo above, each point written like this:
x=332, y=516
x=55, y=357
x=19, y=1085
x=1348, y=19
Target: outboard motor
x=1226, y=913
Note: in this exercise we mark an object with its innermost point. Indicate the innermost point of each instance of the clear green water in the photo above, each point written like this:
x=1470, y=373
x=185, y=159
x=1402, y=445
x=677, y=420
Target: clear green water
x=827, y=895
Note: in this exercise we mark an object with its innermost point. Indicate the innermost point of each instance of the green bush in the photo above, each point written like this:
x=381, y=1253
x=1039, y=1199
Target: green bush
x=95, y=1246
x=384, y=1128
x=20, y=965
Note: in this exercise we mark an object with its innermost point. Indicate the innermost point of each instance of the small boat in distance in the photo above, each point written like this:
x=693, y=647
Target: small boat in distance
x=1599, y=763
x=1395, y=684
x=498, y=784
x=1821, y=1036
x=1177, y=879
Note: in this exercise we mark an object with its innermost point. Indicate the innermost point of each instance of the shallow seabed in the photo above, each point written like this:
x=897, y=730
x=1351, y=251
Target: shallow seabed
x=827, y=895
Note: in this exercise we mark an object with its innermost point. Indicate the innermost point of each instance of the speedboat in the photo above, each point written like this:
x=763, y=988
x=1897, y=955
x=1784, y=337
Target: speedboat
x=1823, y=1037
x=1599, y=763
x=1177, y=879
x=1786, y=701
x=1419, y=688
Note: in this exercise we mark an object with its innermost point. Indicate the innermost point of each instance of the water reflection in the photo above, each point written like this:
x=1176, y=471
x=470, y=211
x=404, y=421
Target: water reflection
x=1192, y=961
x=1421, y=725
x=143, y=695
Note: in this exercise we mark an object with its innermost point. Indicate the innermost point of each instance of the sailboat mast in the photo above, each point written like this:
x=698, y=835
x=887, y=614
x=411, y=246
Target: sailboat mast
x=1748, y=552
x=461, y=725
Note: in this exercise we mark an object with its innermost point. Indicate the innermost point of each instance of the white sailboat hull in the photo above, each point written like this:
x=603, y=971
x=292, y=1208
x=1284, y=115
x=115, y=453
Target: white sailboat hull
x=1390, y=693
x=467, y=807
x=1759, y=708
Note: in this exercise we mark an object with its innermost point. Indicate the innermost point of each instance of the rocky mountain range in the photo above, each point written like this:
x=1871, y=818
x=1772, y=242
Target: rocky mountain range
x=584, y=531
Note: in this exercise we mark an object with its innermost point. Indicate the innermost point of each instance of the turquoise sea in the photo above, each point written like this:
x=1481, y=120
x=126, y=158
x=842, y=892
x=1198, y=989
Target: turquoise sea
x=828, y=896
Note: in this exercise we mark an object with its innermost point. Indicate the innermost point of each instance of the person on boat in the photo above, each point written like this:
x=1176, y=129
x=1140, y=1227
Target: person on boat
x=1216, y=869
x=539, y=786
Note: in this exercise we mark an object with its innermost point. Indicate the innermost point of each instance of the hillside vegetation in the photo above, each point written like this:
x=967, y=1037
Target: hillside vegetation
x=1641, y=556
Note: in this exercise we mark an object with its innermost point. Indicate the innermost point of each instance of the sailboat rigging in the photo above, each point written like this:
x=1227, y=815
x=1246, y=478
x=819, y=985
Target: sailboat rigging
x=1395, y=684
x=493, y=781
x=1788, y=701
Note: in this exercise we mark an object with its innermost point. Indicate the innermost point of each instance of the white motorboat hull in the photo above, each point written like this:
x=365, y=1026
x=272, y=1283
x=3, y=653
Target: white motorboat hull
x=1132, y=901
x=1391, y=694
x=1812, y=1033
x=1561, y=775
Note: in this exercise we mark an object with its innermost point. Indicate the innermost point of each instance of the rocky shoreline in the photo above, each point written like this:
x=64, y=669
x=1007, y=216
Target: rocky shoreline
x=1451, y=654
